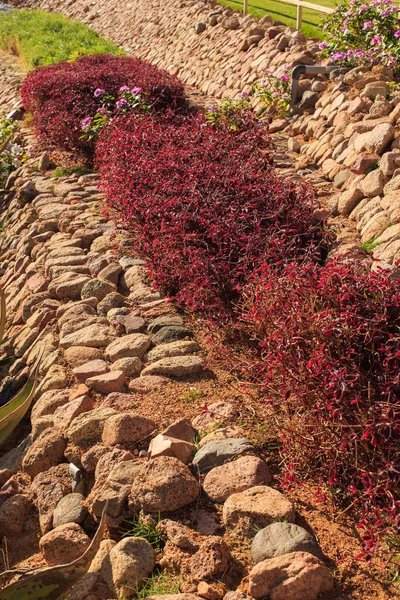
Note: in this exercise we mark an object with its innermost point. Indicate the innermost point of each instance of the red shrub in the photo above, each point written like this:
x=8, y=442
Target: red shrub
x=204, y=203
x=330, y=358
x=61, y=95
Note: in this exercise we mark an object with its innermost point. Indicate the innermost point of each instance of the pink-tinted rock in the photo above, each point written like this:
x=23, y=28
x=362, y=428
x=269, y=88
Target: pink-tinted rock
x=114, y=381
x=90, y=369
x=237, y=476
x=64, y=544
x=126, y=428
x=163, y=445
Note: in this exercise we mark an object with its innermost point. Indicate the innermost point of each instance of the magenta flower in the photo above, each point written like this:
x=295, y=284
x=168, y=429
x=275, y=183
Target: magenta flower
x=99, y=92
x=367, y=25
x=136, y=90
x=362, y=8
x=376, y=40
x=245, y=94
x=212, y=108
x=397, y=33
x=85, y=122
x=284, y=78
x=121, y=103
x=323, y=45
x=124, y=88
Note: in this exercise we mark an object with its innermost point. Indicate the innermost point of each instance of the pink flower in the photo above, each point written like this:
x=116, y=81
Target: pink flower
x=397, y=33
x=284, y=78
x=367, y=25
x=121, y=103
x=136, y=90
x=376, y=40
x=85, y=122
x=323, y=45
x=124, y=88
x=99, y=92
x=245, y=94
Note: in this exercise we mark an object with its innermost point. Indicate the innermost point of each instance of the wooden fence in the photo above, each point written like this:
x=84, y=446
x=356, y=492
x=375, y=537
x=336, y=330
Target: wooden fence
x=300, y=5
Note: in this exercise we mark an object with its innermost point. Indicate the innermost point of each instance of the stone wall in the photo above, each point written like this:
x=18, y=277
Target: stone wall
x=202, y=43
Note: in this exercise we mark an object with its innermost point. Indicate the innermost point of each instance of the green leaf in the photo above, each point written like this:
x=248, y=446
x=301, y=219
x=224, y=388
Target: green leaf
x=53, y=582
x=12, y=412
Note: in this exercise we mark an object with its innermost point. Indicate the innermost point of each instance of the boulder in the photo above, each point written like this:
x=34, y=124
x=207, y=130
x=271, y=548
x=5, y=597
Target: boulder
x=376, y=140
x=47, y=451
x=90, y=369
x=175, y=366
x=256, y=507
x=79, y=355
x=297, y=575
x=115, y=489
x=178, y=348
x=163, y=445
x=132, y=345
x=126, y=428
x=164, y=484
x=64, y=544
x=114, y=381
x=88, y=427
x=13, y=514
x=216, y=453
x=283, y=538
x=93, y=336
x=131, y=562
x=236, y=476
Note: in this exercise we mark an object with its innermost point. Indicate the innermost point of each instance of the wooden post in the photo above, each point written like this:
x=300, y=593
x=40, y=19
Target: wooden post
x=299, y=16
x=245, y=7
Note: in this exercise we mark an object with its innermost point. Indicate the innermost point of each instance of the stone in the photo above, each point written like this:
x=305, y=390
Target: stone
x=131, y=323
x=44, y=162
x=297, y=575
x=97, y=288
x=210, y=562
x=132, y=345
x=110, y=302
x=376, y=140
x=48, y=403
x=171, y=333
x=375, y=227
x=216, y=413
x=45, y=452
x=182, y=430
x=90, y=369
x=13, y=514
x=69, y=510
x=373, y=183
x=164, y=321
x=216, y=453
x=131, y=366
x=237, y=476
x=163, y=445
x=115, y=490
x=49, y=487
x=164, y=484
x=126, y=428
x=70, y=287
x=150, y=383
x=79, y=355
x=392, y=186
x=256, y=507
x=200, y=27
x=110, y=273
x=131, y=562
x=377, y=88
x=308, y=100
x=389, y=163
x=221, y=434
x=114, y=381
x=64, y=544
x=178, y=348
x=283, y=538
x=348, y=200
x=175, y=366
x=93, y=336
x=88, y=427
x=231, y=23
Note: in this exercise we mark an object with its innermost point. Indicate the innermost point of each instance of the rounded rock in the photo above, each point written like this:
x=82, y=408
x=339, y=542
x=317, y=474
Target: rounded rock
x=283, y=538
x=64, y=544
x=236, y=476
x=69, y=510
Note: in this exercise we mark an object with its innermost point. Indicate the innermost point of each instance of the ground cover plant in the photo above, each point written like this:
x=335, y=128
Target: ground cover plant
x=40, y=38
x=11, y=154
x=363, y=33
x=329, y=340
x=205, y=205
x=61, y=96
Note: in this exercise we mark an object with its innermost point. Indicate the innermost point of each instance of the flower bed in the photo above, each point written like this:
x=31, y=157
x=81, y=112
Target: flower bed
x=330, y=359
x=205, y=205
x=363, y=33
x=61, y=96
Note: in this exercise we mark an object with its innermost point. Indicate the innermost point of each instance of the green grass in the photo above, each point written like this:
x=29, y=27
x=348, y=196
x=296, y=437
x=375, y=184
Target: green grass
x=135, y=527
x=71, y=171
x=159, y=583
x=286, y=13
x=370, y=245
x=40, y=38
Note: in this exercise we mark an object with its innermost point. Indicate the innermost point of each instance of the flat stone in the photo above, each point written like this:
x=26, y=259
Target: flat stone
x=79, y=355
x=163, y=445
x=64, y=415
x=88, y=427
x=257, y=507
x=132, y=345
x=221, y=434
x=164, y=321
x=69, y=510
x=283, y=538
x=150, y=383
x=115, y=490
x=236, y=476
x=216, y=453
x=90, y=369
x=131, y=323
x=171, y=333
x=175, y=366
x=114, y=381
x=93, y=336
x=131, y=366
x=178, y=348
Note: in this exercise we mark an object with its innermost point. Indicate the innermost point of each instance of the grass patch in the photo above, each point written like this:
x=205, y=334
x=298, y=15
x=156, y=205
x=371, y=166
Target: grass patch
x=71, y=171
x=286, y=13
x=40, y=38
x=136, y=527
x=159, y=583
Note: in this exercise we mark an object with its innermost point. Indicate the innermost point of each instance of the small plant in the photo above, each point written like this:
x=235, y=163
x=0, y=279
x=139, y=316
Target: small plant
x=127, y=100
x=231, y=114
x=159, y=583
x=274, y=92
x=11, y=155
x=137, y=527
x=363, y=33
x=370, y=245
x=71, y=171
x=191, y=396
